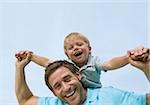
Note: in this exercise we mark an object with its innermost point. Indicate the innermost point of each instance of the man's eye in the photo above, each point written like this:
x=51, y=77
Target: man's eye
x=58, y=86
x=67, y=80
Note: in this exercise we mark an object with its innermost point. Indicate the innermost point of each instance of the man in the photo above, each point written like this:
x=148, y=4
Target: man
x=63, y=79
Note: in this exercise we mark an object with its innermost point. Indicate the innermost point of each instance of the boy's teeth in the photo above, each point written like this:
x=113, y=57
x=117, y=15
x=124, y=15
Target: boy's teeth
x=77, y=53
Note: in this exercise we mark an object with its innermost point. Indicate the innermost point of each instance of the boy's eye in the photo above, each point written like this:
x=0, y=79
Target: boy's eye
x=79, y=44
x=70, y=47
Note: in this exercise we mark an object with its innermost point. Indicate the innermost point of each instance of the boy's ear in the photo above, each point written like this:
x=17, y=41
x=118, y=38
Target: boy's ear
x=90, y=48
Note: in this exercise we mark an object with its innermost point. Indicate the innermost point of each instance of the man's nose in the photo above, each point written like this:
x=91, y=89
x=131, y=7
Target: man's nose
x=65, y=86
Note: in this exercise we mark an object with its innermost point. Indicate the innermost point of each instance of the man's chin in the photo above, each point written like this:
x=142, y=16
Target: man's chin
x=74, y=102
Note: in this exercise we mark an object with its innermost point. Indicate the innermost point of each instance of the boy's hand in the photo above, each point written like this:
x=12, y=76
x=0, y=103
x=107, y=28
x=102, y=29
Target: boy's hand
x=23, y=54
x=139, y=54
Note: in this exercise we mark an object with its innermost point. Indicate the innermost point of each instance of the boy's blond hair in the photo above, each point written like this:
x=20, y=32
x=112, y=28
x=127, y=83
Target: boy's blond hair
x=75, y=35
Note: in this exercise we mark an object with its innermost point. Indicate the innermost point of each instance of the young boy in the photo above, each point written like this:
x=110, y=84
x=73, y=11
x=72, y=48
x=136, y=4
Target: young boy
x=78, y=50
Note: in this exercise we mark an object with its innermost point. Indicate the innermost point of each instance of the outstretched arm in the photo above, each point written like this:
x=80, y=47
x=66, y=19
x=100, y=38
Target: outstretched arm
x=23, y=93
x=42, y=61
x=116, y=62
x=139, y=53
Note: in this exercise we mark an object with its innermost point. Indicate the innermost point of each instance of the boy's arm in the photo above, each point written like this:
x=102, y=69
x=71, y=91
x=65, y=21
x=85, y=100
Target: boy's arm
x=23, y=93
x=139, y=53
x=116, y=62
x=42, y=61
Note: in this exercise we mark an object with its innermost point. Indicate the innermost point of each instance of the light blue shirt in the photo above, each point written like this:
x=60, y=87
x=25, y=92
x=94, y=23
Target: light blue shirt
x=91, y=72
x=102, y=96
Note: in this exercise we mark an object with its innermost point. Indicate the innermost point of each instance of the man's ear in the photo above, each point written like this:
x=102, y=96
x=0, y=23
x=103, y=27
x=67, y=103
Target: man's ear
x=78, y=75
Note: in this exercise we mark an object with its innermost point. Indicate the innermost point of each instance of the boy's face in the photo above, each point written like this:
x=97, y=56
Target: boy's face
x=77, y=50
x=67, y=86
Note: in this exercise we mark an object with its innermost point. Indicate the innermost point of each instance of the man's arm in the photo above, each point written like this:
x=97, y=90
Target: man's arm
x=23, y=93
x=144, y=65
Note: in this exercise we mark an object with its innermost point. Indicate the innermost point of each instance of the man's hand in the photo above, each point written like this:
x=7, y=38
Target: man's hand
x=23, y=54
x=144, y=66
x=23, y=58
x=139, y=54
x=141, y=59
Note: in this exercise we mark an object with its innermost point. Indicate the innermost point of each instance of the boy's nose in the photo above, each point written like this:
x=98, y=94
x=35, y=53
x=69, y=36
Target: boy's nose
x=76, y=48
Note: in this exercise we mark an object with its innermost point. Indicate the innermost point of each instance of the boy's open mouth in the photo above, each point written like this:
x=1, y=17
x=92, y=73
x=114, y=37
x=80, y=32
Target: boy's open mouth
x=77, y=53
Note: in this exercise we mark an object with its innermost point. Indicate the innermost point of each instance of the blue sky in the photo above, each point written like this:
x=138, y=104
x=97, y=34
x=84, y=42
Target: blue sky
x=112, y=26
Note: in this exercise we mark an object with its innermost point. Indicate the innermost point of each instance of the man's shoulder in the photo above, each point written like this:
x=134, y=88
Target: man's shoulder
x=102, y=89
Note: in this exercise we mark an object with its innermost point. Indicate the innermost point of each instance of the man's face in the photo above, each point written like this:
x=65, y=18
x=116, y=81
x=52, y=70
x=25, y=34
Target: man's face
x=77, y=50
x=67, y=86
